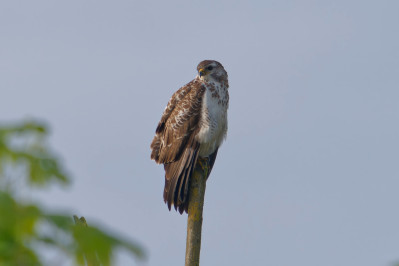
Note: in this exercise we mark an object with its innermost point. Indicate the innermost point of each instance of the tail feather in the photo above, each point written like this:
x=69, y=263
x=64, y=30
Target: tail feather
x=182, y=201
x=177, y=179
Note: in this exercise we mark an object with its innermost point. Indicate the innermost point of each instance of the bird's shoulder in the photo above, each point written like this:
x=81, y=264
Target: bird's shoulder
x=185, y=100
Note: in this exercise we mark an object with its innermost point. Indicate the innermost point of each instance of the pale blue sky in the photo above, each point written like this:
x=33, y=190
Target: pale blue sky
x=309, y=173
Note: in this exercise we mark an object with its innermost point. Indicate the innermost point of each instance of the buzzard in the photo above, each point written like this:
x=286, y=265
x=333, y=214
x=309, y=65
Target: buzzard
x=192, y=127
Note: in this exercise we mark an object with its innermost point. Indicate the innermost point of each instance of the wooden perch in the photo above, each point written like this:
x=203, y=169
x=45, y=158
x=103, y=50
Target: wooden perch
x=195, y=207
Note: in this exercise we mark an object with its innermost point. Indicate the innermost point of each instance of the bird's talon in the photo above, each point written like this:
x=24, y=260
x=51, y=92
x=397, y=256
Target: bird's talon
x=204, y=164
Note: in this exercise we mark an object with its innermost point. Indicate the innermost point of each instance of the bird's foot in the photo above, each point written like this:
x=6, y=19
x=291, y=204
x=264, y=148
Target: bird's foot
x=203, y=163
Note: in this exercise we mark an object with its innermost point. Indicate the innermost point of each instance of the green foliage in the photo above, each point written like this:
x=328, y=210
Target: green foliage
x=17, y=226
x=95, y=246
x=23, y=145
x=24, y=225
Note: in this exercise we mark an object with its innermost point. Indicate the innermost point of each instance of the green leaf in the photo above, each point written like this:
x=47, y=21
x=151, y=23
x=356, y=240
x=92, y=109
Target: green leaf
x=98, y=245
x=31, y=151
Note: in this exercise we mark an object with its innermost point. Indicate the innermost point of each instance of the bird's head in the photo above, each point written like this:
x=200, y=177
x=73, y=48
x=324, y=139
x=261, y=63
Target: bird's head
x=211, y=70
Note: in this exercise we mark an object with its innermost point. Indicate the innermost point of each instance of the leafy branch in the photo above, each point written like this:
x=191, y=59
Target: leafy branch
x=23, y=225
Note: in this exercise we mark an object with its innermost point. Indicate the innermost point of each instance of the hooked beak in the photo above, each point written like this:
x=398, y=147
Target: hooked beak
x=202, y=72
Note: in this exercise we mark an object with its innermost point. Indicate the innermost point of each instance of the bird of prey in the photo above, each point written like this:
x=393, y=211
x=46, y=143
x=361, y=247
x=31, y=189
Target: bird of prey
x=192, y=127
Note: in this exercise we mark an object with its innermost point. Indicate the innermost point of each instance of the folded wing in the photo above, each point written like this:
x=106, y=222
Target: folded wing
x=174, y=144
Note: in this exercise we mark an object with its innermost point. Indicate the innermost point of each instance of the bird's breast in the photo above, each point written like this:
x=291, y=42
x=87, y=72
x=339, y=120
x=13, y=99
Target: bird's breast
x=213, y=121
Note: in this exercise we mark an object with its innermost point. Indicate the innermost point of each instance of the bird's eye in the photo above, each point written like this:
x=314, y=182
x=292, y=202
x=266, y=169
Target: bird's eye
x=209, y=68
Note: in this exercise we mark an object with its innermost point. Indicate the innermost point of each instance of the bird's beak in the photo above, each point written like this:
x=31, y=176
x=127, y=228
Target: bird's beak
x=202, y=72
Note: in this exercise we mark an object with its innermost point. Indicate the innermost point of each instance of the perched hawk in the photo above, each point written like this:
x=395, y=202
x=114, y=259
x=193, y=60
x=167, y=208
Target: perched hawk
x=193, y=125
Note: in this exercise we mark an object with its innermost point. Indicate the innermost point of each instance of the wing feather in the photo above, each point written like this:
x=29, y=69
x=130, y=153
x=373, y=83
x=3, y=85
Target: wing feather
x=176, y=123
x=174, y=144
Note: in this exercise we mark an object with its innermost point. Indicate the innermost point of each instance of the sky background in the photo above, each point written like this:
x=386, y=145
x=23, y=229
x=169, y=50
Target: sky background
x=309, y=173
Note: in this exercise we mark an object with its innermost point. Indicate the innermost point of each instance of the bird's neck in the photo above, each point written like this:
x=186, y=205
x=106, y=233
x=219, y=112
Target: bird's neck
x=216, y=81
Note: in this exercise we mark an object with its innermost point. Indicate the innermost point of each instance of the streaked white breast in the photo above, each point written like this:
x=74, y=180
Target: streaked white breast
x=213, y=121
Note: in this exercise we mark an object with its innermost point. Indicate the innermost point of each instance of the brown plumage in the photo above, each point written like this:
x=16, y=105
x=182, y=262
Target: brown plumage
x=193, y=125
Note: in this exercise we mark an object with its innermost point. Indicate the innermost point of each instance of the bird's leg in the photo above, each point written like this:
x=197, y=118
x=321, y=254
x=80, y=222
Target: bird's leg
x=203, y=163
